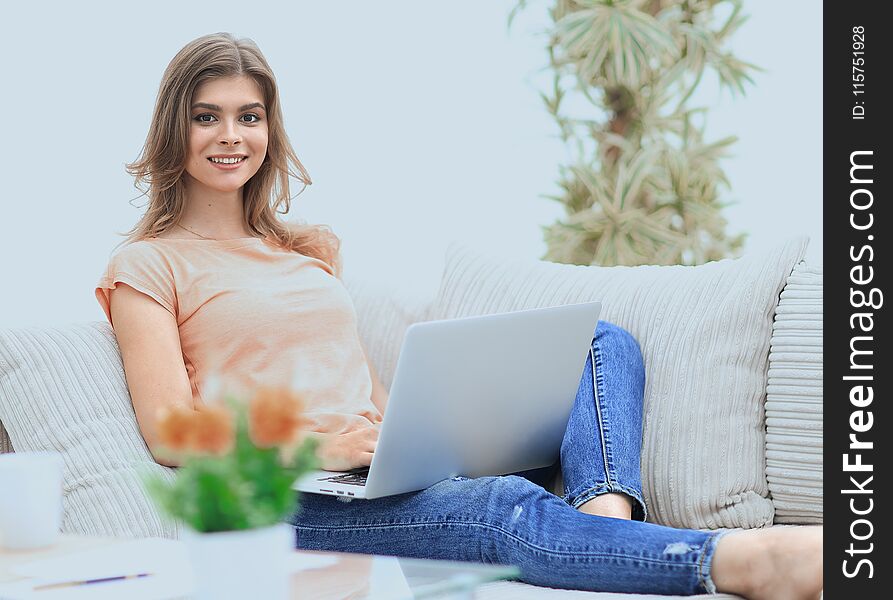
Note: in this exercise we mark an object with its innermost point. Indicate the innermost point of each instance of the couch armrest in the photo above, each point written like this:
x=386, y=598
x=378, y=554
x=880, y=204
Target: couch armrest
x=794, y=413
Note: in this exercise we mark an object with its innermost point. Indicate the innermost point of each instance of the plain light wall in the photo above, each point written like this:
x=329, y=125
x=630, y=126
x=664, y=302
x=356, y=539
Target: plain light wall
x=420, y=123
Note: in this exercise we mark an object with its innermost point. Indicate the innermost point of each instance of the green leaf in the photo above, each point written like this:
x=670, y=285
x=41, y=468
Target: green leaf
x=643, y=185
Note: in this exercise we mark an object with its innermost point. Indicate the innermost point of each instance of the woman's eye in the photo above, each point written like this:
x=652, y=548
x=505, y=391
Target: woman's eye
x=207, y=118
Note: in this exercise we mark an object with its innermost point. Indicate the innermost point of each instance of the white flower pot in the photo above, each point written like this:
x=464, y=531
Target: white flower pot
x=251, y=563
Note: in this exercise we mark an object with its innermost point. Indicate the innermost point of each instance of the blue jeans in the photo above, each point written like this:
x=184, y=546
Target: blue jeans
x=513, y=519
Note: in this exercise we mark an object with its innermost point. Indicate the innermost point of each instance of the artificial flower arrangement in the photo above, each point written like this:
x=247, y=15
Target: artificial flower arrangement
x=238, y=461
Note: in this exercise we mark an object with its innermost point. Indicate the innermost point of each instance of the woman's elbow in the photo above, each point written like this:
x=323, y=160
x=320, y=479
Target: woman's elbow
x=165, y=459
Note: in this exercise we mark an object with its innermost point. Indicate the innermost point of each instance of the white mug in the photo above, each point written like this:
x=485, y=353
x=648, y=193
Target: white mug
x=30, y=499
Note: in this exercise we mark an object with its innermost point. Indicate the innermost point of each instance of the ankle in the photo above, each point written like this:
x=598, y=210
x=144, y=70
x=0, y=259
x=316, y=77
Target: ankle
x=741, y=563
x=614, y=505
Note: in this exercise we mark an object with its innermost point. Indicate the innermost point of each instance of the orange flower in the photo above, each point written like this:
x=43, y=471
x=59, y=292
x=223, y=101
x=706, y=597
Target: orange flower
x=275, y=417
x=209, y=430
x=176, y=427
x=214, y=430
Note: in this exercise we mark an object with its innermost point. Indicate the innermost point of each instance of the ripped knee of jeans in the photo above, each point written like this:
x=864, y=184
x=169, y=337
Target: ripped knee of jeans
x=680, y=548
x=516, y=513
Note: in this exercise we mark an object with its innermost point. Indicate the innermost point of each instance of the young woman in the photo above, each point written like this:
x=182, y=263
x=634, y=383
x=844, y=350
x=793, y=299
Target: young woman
x=211, y=280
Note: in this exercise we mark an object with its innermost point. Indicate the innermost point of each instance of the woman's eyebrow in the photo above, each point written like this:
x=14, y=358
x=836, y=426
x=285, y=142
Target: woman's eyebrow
x=215, y=107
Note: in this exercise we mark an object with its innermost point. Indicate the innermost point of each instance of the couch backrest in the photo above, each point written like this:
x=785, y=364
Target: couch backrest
x=383, y=316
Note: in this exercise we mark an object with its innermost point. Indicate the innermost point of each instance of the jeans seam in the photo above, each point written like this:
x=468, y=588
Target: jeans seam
x=574, y=497
x=509, y=534
x=705, y=580
x=597, y=389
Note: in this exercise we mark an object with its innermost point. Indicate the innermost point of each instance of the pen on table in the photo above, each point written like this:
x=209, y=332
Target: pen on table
x=52, y=586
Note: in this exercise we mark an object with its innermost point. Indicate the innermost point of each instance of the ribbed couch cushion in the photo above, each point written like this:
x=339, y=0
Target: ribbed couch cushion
x=63, y=389
x=383, y=316
x=704, y=333
x=794, y=414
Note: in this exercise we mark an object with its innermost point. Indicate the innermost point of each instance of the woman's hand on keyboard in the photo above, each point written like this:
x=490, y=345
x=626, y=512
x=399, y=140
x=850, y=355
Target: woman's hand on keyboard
x=349, y=450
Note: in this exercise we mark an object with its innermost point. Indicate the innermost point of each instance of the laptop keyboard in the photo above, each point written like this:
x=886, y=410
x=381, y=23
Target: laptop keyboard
x=358, y=478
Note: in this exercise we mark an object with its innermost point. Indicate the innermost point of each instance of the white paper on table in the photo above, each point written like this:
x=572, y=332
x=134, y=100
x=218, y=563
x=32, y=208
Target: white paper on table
x=165, y=559
x=149, y=588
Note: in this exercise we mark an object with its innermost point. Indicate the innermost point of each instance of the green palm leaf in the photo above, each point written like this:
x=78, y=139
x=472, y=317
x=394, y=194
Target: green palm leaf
x=644, y=186
x=612, y=40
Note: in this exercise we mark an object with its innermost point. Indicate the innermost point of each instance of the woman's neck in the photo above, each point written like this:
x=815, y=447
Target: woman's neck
x=213, y=213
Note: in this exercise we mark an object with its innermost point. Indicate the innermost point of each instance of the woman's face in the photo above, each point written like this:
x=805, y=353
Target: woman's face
x=228, y=119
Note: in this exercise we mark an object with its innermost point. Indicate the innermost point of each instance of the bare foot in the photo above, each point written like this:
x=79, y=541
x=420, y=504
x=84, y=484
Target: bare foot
x=618, y=506
x=779, y=563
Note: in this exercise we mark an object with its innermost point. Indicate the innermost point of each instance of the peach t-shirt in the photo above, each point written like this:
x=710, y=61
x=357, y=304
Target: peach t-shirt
x=255, y=314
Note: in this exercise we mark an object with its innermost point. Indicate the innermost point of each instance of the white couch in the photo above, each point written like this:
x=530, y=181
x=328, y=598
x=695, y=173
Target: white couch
x=733, y=407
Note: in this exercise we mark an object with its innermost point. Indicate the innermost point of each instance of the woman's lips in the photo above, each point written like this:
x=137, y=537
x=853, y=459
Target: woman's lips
x=228, y=167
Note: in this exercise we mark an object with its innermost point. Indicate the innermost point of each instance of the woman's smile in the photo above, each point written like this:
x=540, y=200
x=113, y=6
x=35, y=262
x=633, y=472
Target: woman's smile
x=227, y=163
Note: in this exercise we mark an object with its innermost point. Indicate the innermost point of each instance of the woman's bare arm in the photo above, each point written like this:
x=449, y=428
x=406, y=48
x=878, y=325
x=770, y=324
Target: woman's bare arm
x=153, y=360
x=379, y=392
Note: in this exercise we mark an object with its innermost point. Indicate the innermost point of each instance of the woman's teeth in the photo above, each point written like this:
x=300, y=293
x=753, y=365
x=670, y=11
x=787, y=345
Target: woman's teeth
x=227, y=161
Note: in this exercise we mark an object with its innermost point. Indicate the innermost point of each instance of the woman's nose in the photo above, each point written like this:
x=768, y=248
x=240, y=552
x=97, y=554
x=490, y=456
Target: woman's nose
x=229, y=136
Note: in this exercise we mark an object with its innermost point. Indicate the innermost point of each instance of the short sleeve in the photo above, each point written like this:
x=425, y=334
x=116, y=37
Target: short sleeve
x=143, y=268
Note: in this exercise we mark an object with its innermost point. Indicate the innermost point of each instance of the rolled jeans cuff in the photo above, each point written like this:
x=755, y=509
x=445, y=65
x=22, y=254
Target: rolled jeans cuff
x=705, y=563
x=639, y=512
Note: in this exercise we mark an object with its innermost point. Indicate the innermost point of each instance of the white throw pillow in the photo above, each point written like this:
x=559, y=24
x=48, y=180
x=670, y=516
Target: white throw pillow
x=704, y=333
x=63, y=389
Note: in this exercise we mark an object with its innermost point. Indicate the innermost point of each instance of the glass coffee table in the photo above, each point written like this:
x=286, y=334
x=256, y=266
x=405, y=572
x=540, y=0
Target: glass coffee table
x=365, y=576
x=312, y=575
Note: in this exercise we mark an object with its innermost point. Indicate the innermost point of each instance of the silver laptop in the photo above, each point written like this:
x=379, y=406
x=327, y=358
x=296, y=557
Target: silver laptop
x=475, y=396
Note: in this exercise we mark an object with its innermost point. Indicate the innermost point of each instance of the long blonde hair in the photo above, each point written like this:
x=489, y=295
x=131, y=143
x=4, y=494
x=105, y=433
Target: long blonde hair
x=163, y=158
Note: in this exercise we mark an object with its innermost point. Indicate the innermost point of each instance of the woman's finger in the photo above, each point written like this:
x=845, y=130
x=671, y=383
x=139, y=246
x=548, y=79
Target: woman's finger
x=364, y=459
x=368, y=445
